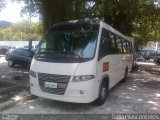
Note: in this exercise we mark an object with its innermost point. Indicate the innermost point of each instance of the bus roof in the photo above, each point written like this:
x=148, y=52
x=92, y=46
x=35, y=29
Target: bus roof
x=93, y=22
x=111, y=29
x=82, y=21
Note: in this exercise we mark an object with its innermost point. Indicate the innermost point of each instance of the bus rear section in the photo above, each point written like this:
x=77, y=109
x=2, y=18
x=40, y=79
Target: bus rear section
x=79, y=61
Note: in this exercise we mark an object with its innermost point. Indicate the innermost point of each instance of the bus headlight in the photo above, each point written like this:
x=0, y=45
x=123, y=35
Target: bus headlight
x=32, y=73
x=82, y=78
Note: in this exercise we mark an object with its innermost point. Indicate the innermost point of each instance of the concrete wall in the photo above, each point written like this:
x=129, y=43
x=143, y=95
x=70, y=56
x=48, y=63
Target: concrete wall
x=18, y=43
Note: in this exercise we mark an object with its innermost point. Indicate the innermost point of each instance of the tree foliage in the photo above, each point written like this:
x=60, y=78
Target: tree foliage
x=146, y=25
x=25, y=30
x=137, y=18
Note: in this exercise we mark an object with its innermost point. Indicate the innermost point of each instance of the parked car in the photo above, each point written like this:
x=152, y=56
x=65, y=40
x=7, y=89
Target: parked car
x=19, y=56
x=148, y=54
x=3, y=49
x=140, y=58
x=11, y=48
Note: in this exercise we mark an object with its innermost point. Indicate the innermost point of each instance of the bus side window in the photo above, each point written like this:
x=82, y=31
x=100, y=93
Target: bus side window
x=124, y=46
x=119, y=46
x=112, y=46
x=104, y=48
x=130, y=48
x=127, y=47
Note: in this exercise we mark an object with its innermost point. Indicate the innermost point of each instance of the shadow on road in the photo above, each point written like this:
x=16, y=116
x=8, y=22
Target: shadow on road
x=140, y=94
x=12, y=80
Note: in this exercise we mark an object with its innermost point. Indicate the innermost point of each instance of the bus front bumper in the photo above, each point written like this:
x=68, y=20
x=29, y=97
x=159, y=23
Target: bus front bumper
x=81, y=92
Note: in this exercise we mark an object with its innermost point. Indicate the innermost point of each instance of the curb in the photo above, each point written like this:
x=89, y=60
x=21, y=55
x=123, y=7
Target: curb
x=12, y=103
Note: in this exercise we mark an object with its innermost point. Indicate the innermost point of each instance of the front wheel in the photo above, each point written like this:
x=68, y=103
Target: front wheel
x=103, y=94
x=10, y=63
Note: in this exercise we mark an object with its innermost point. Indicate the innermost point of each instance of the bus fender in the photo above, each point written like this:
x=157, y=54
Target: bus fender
x=106, y=78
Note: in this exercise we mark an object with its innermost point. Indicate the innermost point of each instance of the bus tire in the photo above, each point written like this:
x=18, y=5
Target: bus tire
x=102, y=93
x=125, y=75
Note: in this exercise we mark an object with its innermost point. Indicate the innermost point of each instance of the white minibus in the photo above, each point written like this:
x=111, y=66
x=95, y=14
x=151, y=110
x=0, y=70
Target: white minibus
x=79, y=61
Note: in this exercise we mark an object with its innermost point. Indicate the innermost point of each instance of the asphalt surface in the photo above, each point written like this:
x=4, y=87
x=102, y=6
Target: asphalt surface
x=140, y=94
x=12, y=80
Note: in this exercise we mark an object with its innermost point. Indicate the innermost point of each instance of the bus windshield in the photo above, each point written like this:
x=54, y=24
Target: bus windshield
x=69, y=42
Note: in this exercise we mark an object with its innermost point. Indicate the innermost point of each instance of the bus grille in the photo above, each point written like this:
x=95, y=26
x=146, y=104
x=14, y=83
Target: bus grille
x=61, y=80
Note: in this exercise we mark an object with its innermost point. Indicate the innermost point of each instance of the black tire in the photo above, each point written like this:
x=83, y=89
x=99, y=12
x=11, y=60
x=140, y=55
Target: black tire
x=11, y=63
x=133, y=66
x=102, y=94
x=125, y=75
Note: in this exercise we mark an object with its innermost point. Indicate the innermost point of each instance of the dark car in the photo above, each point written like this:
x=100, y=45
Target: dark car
x=140, y=58
x=3, y=49
x=19, y=56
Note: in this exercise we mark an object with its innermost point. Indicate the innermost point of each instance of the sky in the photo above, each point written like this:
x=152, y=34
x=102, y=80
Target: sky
x=12, y=13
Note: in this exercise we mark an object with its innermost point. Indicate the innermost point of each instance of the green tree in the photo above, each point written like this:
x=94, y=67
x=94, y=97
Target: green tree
x=24, y=30
x=137, y=18
x=146, y=23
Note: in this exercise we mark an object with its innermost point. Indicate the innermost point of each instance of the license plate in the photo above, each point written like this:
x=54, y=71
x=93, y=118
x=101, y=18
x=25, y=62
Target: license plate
x=50, y=85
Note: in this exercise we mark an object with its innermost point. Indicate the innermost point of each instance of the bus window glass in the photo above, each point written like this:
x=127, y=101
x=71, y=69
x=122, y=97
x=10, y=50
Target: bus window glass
x=124, y=46
x=119, y=44
x=107, y=43
x=112, y=44
x=68, y=42
x=127, y=47
x=130, y=48
x=104, y=44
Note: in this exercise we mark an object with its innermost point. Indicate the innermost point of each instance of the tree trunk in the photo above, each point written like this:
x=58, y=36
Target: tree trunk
x=54, y=11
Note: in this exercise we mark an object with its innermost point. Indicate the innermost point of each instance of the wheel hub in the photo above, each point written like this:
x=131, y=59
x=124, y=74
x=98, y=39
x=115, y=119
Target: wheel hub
x=103, y=93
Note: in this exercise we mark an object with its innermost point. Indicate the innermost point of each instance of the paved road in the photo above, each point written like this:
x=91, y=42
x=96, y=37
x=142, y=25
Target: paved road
x=12, y=80
x=10, y=73
x=140, y=94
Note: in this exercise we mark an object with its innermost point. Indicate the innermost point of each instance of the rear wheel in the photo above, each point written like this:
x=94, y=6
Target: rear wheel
x=11, y=63
x=125, y=75
x=102, y=94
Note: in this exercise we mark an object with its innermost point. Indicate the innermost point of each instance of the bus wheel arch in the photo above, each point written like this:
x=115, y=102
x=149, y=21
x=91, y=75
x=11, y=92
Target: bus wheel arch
x=125, y=75
x=103, y=91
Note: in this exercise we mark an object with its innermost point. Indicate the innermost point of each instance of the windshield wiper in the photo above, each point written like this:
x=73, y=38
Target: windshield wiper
x=43, y=53
x=52, y=52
